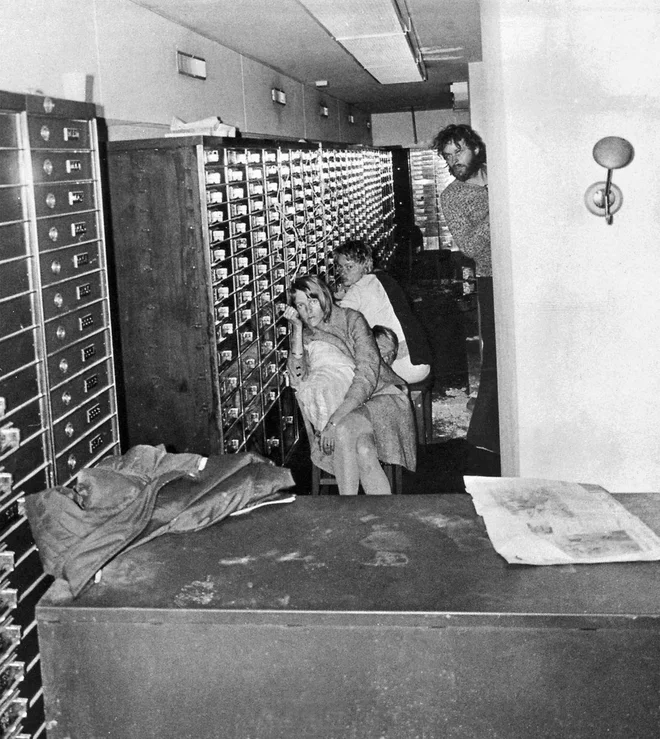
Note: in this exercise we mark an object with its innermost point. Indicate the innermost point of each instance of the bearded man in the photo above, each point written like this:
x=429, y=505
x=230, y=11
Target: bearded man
x=464, y=204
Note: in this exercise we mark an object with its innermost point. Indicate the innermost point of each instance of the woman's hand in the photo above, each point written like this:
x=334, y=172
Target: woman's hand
x=292, y=316
x=340, y=291
x=328, y=438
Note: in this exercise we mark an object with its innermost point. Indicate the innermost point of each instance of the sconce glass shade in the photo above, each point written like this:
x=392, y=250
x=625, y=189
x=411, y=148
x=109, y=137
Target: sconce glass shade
x=605, y=198
x=613, y=152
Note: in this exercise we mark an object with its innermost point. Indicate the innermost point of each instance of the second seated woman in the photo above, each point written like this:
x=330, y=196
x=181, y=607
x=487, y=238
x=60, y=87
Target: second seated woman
x=360, y=413
x=379, y=297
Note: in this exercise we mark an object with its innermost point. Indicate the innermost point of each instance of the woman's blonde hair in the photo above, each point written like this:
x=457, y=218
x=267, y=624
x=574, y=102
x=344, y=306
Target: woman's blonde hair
x=313, y=287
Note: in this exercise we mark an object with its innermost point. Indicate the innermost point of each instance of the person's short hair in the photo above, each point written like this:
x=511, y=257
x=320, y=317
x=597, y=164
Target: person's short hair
x=313, y=287
x=384, y=332
x=358, y=251
x=457, y=133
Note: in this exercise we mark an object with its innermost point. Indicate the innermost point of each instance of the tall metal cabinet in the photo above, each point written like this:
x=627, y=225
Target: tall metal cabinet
x=208, y=234
x=58, y=410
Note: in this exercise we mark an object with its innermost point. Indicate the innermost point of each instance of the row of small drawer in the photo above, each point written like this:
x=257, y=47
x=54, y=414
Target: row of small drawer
x=47, y=166
x=57, y=199
x=76, y=372
x=46, y=132
x=62, y=330
x=52, y=234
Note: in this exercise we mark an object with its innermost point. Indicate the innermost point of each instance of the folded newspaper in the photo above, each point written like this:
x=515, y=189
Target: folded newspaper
x=550, y=522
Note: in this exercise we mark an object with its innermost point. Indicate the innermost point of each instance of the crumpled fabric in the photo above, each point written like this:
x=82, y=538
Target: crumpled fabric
x=127, y=500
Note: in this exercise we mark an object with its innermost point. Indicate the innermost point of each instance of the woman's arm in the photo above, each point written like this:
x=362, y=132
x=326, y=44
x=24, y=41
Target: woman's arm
x=296, y=362
x=367, y=365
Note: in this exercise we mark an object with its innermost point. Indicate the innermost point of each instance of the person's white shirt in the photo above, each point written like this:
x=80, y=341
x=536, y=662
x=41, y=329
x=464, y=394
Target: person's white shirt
x=368, y=296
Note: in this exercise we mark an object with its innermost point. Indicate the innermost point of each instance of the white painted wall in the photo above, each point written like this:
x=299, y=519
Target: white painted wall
x=131, y=55
x=577, y=300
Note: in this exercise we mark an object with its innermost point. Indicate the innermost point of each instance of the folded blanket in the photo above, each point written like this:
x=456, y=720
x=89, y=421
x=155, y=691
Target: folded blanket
x=127, y=500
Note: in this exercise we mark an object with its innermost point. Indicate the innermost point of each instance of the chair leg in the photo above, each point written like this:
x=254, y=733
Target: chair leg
x=316, y=480
x=427, y=411
x=395, y=477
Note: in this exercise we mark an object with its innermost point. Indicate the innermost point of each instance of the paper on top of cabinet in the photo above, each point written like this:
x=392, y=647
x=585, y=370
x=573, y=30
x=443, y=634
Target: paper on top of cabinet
x=549, y=522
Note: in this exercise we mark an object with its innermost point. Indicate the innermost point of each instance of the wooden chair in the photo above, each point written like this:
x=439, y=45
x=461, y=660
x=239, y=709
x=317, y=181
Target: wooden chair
x=323, y=480
x=422, y=401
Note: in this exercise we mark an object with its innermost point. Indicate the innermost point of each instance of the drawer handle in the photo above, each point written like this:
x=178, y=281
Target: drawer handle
x=45, y=133
x=51, y=200
x=53, y=233
x=61, y=333
x=72, y=462
x=64, y=366
x=55, y=267
x=48, y=167
x=66, y=397
x=69, y=430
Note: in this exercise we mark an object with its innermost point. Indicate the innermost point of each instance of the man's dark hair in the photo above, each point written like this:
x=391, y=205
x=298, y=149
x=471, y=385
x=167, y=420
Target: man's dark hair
x=457, y=133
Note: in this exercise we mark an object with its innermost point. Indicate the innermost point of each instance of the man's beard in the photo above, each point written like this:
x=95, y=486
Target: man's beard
x=466, y=171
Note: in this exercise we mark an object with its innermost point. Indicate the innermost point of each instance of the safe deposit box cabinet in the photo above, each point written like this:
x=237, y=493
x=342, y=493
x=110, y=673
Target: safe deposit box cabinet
x=208, y=235
x=57, y=390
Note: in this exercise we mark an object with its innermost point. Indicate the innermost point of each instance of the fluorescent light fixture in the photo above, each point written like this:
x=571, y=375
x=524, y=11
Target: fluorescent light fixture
x=321, y=83
x=378, y=33
x=279, y=96
x=191, y=66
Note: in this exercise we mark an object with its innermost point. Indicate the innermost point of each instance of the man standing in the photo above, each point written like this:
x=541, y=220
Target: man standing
x=464, y=204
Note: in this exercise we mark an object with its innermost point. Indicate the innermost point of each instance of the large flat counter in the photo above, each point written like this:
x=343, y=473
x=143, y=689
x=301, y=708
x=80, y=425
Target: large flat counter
x=354, y=618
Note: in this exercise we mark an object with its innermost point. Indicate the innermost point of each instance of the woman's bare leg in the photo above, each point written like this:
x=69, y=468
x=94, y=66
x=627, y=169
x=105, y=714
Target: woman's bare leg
x=373, y=478
x=345, y=463
x=355, y=458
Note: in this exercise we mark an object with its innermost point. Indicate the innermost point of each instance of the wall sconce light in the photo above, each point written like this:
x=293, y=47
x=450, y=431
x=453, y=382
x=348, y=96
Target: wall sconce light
x=323, y=111
x=605, y=198
x=279, y=96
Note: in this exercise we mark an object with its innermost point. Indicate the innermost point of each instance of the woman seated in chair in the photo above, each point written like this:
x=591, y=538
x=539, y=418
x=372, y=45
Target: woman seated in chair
x=359, y=413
